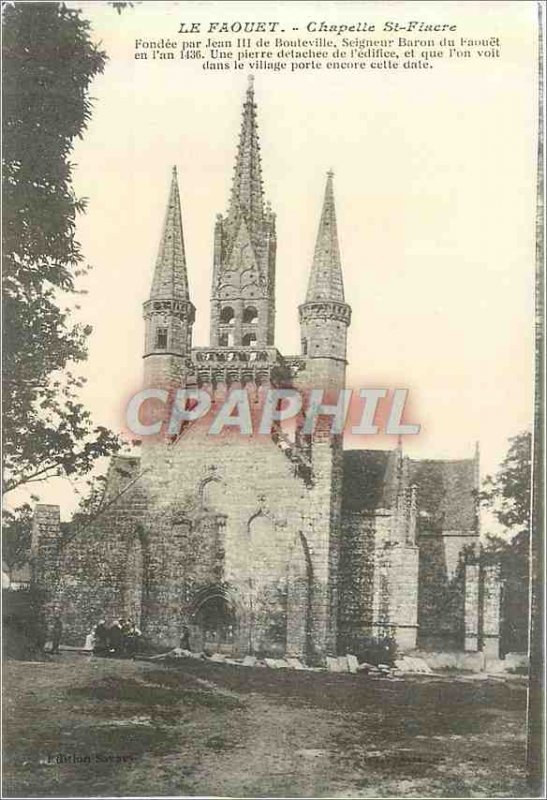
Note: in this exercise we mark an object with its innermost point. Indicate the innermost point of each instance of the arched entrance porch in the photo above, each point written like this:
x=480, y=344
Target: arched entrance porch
x=213, y=622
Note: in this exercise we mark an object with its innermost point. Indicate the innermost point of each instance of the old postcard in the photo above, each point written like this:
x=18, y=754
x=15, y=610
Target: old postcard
x=273, y=435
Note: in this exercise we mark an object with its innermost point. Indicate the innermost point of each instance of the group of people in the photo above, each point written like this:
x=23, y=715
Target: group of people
x=121, y=638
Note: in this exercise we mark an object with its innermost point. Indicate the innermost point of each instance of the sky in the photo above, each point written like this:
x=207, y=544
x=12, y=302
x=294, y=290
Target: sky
x=435, y=194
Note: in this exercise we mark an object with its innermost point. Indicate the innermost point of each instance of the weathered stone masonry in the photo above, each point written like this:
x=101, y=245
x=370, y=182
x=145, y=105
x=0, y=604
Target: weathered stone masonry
x=267, y=544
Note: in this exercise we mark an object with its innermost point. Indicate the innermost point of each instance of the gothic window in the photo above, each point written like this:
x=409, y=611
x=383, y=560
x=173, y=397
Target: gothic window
x=304, y=347
x=161, y=338
x=227, y=316
x=226, y=339
x=250, y=315
x=249, y=340
x=211, y=494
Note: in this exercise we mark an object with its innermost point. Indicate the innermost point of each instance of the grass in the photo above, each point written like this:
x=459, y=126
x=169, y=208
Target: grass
x=204, y=729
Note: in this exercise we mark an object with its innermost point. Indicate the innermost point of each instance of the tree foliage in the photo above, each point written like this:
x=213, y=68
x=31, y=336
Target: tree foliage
x=508, y=492
x=49, y=63
x=16, y=535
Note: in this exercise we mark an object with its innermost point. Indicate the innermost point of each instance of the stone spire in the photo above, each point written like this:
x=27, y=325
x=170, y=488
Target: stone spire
x=247, y=195
x=243, y=286
x=170, y=280
x=325, y=316
x=169, y=315
x=326, y=282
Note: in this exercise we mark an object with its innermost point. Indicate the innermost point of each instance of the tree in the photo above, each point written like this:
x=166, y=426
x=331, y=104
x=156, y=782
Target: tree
x=16, y=535
x=49, y=63
x=508, y=492
x=508, y=495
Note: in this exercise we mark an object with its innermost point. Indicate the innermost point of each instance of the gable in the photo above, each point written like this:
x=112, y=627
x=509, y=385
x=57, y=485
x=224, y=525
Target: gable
x=445, y=493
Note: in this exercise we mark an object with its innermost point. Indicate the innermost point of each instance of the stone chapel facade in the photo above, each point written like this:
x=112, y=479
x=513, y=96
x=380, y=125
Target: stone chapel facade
x=268, y=544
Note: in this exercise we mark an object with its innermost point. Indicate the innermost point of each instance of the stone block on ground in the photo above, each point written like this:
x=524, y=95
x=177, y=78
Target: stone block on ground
x=421, y=666
x=343, y=663
x=249, y=661
x=218, y=657
x=413, y=665
x=353, y=664
x=275, y=663
x=294, y=663
x=516, y=661
x=333, y=665
x=159, y=656
x=178, y=652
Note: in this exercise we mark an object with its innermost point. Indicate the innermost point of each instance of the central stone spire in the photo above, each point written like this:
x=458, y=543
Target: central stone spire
x=243, y=290
x=247, y=195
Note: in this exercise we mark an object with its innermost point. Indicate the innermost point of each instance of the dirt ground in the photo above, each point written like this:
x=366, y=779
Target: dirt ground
x=139, y=728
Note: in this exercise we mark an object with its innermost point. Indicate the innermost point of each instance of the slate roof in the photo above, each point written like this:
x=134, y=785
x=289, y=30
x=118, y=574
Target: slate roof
x=445, y=490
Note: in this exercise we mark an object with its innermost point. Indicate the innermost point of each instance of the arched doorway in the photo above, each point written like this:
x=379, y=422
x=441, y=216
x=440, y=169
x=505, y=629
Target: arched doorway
x=214, y=624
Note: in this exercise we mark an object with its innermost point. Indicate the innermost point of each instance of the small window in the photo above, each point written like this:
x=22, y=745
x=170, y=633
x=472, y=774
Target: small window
x=227, y=316
x=304, y=347
x=250, y=316
x=249, y=340
x=226, y=340
x=161, y=338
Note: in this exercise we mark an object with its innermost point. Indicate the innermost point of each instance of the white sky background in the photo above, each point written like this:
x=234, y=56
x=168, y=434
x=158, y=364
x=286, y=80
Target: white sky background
x=435, y=192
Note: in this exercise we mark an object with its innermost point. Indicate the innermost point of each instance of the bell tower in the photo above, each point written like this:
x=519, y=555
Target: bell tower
x=243, y=290
x=169, y=315
x=325, y=316
x=324, y=322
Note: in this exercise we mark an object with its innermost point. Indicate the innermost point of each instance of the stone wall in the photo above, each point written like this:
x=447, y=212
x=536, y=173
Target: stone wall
x=356, y=579
x=441, y=599
x=202, y=519
x=227, y=525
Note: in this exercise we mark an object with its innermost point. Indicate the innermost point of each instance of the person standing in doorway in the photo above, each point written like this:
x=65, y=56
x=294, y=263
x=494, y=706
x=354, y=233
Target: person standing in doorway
x=57, y=633
x=185, y=638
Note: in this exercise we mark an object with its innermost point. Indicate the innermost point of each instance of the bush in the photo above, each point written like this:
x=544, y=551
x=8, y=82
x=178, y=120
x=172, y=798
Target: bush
x=24, y=627
x=373, y=649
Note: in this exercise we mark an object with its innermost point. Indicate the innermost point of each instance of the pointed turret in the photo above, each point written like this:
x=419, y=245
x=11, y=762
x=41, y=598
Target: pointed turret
x=325, y=316
x=326, y=282
x=243, y=291
x=169, y=314
x=170, y=278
